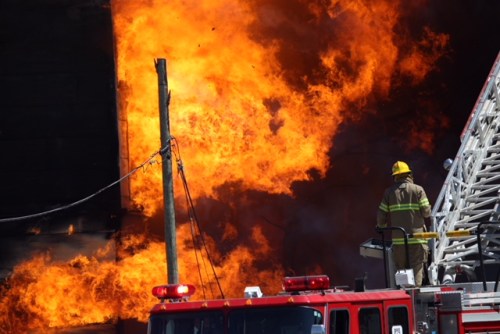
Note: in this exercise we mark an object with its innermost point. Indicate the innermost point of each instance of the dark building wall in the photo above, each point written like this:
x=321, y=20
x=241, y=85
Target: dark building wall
x=58, y=127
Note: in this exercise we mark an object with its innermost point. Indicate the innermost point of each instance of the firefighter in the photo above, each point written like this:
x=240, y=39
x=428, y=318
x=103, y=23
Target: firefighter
x=405, y=205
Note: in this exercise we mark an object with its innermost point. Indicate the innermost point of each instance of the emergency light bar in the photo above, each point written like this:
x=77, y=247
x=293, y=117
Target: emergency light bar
x=173, y=291
x=302, y=283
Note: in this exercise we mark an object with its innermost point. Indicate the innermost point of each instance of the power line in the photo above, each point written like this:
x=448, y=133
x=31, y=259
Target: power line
x=68, y=206
x=195, y=224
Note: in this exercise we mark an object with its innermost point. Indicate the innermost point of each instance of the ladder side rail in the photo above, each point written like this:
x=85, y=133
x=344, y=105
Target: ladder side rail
x=495, y=69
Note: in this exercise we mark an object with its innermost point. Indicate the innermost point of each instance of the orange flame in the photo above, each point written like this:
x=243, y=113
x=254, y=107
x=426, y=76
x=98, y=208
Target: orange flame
x=422, y=57
x=239, y=113
x=42, y=294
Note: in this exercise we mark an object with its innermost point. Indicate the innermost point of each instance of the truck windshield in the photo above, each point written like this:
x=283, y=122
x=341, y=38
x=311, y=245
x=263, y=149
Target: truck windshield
x=268, y=320
x=282, y=320
x=205, y=322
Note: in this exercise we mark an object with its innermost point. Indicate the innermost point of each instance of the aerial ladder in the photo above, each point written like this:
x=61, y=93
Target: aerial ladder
x=466, y=215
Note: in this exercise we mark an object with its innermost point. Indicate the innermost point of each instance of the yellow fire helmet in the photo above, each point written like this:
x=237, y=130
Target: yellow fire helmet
x=400, y=167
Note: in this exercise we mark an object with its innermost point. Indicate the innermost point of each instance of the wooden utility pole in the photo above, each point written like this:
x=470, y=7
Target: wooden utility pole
x=168, y=187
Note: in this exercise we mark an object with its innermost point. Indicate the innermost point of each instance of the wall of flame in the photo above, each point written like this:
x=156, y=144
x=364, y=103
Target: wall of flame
x=259, y=88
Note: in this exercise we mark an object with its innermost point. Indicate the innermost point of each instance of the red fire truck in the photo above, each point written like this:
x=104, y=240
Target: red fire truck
x=309, y=305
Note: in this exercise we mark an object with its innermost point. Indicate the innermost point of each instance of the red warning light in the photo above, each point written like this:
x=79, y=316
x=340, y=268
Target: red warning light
x=302, y=283
x=173, y=291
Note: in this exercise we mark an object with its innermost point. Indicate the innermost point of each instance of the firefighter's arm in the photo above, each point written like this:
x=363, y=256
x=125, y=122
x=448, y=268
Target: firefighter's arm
x=382, y=214
x=425, y=206
x=428, y=223
x=381, y=222
x=425, y=209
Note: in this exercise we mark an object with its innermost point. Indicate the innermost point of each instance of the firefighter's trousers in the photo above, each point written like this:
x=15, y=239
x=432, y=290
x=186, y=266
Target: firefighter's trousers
x=418, y=257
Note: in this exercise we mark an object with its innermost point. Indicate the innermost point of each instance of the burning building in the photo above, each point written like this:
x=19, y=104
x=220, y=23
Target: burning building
x=287, y=116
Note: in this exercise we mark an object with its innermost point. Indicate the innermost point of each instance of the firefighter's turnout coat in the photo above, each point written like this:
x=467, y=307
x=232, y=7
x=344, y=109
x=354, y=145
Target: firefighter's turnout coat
x=405, y=205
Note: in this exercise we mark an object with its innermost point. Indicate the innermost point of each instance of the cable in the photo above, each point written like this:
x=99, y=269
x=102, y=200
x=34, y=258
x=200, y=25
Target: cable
x=192, y=212
x=193, y=238
x=44, y=213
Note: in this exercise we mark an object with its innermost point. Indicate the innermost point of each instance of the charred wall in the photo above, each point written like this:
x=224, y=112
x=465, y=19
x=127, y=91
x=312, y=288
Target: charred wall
x=58, y=129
